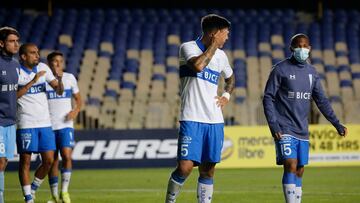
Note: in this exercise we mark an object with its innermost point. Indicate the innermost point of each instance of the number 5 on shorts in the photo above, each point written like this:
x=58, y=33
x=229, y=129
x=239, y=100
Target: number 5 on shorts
x=184, y=150
x=286, y=149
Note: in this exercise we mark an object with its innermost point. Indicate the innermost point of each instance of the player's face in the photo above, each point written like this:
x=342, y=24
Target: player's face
x=302, y=42
x=57, y=64
x=11, y=44
x=225, y=36
x=32, y=56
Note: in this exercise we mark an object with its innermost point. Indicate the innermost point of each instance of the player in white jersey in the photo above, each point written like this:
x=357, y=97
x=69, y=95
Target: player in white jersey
x=201, y=131
x=62, y=115
x=34, y=133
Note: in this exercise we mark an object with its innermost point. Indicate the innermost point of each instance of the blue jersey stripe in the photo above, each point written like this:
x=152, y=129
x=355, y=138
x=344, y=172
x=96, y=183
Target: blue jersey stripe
x=51, y=94
x=35, y=89
x=206, y=74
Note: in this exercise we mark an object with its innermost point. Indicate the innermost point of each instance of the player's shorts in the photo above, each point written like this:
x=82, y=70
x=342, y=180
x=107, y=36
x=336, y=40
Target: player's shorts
x=200, y=142
x=35, y=140
x=290, y=147
x=64, y=138
x=7, y=141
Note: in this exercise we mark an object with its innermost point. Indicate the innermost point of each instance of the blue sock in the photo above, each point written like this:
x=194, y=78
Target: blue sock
x=2, y=186
x=178, y=178
x=53, y=180
x=298, y=181
x=288, y=178
x=207, y=181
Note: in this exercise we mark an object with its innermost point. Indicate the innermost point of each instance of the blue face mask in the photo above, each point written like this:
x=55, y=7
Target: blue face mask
x=301, y=54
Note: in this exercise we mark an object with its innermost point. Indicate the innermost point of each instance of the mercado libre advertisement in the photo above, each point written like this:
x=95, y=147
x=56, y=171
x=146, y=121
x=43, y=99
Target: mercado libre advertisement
x=253, y=147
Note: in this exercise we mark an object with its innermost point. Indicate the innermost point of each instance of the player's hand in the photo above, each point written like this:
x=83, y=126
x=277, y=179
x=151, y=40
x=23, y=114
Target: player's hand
x=219, y=38
x=221, y=101
x=38, y=75
x=71, y=115
x=277, y=136
x=344, y=132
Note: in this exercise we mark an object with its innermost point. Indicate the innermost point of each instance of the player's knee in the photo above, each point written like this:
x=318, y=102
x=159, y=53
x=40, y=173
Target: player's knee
x=290, y=166
x=47, y=163
x=184, y=170
x=66, y=158
x=3, y=163
x=300, y=171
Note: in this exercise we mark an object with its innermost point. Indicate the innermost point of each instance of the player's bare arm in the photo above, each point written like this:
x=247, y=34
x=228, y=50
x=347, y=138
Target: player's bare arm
x=21, y=91
x=73, y=113
x=229, y=87
x=57, y=85
x=200, y=62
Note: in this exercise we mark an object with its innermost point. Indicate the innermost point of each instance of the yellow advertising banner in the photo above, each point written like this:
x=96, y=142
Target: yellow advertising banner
x=253, y=147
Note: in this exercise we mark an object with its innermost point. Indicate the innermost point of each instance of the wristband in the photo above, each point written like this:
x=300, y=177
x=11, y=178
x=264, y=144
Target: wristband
x=226, y=95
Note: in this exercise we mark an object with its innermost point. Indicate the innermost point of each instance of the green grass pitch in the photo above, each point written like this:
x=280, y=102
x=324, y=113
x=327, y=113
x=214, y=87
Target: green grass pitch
x=336, y=184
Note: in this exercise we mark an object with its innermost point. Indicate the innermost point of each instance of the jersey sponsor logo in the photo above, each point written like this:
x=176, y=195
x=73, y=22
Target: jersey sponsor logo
x=125, y=149
x=53, y=95
x=299, y=95
x=186, y=139
x=292, y=77
x=35, y=89
x=9, y=87
x=209, y=75
x=3, y=72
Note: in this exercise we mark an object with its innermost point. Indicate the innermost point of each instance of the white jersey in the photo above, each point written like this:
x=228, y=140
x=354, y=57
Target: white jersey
x=32, y=107
x=60, y=105
x=198, y=90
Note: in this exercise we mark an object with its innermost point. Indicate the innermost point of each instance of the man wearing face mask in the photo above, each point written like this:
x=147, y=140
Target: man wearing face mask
x=287, y=98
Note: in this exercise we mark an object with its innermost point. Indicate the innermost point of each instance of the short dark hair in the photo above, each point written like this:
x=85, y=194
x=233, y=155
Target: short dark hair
x=213, y=21
x=53, y=54
x=23, y=48
x=296, y=37
x=6, y=31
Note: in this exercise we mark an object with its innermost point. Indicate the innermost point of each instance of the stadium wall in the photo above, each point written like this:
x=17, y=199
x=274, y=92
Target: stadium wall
x=244, y=147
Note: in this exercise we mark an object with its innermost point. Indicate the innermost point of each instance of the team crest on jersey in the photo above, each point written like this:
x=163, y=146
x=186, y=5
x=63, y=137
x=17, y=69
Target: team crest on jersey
x=3, y=72
x=292, y=77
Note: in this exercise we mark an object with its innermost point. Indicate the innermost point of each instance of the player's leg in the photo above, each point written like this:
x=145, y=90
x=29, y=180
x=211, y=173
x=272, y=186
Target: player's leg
x=27, y=142
x=53, y=178
x=189, y=153
x=303, y=157
x=286, y=151
x=66, y=173
x=7, y=148
x=24, y=176
x=177, y=179
x=211, y=154
x=46, y=149
x=205, y=185
x=298, y=179
x=66, y=143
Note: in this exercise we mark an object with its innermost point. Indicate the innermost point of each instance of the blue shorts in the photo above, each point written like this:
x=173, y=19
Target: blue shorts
x=7, y=141
x=35, y=140
x=200, y=142
x=64, y=138
x=290, y=147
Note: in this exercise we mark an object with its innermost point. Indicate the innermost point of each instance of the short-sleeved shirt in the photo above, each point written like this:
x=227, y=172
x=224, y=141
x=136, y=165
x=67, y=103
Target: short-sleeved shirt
x=60, y=105
x=33, y=108
x=198, y=90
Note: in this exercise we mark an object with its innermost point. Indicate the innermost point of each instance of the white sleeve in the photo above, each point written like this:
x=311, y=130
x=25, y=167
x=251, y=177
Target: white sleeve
x=189, y=50
x=74, y=85
x=49, y=76
x=227, y=70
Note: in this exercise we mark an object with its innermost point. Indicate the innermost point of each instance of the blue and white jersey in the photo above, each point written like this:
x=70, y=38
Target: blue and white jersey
x=8, y=86
x=60, y=105
x=198, y=90
x=33, y=108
